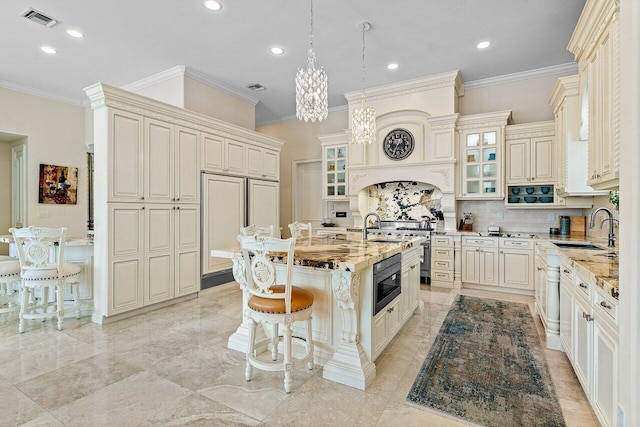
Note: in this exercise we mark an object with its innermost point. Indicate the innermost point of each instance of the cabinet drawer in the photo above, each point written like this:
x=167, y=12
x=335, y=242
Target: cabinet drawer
x=446, y=241
x=480, y=241
x=442, y=264
x=582, y=285
x=441, y=253
x=566, y=272
x=442, y=276
x=605, y=305
x=516, y=243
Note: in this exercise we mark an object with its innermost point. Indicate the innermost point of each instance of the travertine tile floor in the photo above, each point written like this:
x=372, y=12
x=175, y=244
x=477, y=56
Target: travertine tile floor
x=171, y=367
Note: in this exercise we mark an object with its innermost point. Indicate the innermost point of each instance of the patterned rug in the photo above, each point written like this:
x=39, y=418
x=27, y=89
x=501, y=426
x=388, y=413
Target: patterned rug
x=487, y=367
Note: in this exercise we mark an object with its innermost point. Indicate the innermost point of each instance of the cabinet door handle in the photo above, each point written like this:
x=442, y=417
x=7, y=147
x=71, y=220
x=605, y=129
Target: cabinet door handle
x=173, y=200
x=605, y=305
x=413, y=267
x=501, y=252
x=142, y=208
x=178, y=207
x=141, y=198
x=178, y=199
x=582, y=285
x=540, y=268
x=390, y=310
x=533, y=179
x=566, y=271
x=173, y=208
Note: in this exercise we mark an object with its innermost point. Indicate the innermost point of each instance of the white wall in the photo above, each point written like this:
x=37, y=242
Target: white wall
x=55, y=134
x=213, y=102
x=170, y=91
x=527, y=99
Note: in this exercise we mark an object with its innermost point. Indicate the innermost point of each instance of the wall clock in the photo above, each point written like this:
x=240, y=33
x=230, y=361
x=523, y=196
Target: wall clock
x=398, y=144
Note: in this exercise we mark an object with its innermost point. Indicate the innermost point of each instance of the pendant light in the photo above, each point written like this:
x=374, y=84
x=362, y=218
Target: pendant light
x=311, y=87
x=363, y=119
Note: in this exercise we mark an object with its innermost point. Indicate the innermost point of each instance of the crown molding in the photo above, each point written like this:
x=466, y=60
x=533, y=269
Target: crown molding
x=565, y=86
x=567, y=68
x=437, y=81
x=183, y=71
x=332, y=110
x=41, y=93
x=497, y=118
x=530, y=130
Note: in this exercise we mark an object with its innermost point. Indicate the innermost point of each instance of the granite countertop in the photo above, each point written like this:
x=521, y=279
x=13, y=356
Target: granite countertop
x=69, y=241
x=339, y=253
x=594, y=263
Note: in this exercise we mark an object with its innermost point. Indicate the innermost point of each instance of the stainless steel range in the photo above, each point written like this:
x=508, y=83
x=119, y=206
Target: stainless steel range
x=409, y=229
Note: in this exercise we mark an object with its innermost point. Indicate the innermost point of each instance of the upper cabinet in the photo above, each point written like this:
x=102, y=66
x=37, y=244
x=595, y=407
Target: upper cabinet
x=595, y=44
x=572, y=149
x=530, y=153
x=480, y=155
x=124, y=157
x=334, y=165
x=263, y=163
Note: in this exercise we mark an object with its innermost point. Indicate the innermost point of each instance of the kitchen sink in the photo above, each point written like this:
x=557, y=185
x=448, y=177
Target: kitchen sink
x=588, y=246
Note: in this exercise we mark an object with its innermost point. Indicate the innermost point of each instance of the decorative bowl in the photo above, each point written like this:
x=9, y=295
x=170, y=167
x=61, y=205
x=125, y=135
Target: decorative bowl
x=545, y=199
x=490, y=190
x=530, y=199
x=545, y=189
x=513, y=199
x=529, y=190
x=515, y=190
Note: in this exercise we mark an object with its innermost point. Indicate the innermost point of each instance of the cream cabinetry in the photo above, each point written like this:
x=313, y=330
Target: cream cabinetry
x=263, y=163
x=171, y=160
x=148, y=161
x=410, y=282
x=125, y=157
x=480, y=155
x=595, y=44
x=334, y=167
x=530, y=153
x=516, y=263
x=480, y=260
x=442, y=261
x=225, y=155
x=593, y=346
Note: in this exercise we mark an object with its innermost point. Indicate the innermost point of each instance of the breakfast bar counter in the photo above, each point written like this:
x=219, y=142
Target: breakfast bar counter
x=348, y=336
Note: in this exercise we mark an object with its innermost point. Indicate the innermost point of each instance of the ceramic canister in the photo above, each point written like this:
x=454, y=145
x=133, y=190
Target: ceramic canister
x=565, y=228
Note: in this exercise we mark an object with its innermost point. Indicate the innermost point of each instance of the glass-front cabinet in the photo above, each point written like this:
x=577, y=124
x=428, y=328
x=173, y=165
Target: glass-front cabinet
x=481, y=168
x=480, y=155
x=334, y=164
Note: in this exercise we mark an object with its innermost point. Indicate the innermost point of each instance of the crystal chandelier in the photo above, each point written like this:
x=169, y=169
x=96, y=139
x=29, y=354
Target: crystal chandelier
x=311, y=87
x=363, y=119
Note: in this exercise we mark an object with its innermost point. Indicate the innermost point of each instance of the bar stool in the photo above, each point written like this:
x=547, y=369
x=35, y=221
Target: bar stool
x=297, y=229
x=9, y=284
x=33, y=245
x=274, y=303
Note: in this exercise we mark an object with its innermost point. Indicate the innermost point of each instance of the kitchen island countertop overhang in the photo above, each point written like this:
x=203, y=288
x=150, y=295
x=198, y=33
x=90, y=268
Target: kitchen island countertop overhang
x=338, y=271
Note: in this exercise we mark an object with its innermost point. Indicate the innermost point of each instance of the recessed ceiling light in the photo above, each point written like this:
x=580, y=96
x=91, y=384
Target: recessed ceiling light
x=212, y=5
x=75, y=33
x=48, y=50
x=392, y=66
x=276, y=50
x=483, y=45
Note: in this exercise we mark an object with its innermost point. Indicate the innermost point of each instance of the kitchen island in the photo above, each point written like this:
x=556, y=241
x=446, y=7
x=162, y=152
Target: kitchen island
x=348, y=336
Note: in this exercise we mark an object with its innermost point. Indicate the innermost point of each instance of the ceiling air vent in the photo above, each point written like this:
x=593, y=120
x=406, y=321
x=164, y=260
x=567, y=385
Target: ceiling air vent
x=256, y=87
x=40, y=18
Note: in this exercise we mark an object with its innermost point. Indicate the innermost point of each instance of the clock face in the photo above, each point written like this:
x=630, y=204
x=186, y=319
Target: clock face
x=398, y=144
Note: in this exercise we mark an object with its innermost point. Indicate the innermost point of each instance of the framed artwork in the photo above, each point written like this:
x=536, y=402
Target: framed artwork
x=58, y=185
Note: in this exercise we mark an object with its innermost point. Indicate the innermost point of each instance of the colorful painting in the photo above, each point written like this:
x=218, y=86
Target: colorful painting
x=58, y=185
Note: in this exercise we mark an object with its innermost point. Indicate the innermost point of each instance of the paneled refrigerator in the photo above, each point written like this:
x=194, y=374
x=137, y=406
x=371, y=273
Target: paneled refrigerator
x=229, y=203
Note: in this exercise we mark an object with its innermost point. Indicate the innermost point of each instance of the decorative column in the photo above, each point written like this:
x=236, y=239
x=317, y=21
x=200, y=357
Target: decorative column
x=349, y=364
x=553, y=303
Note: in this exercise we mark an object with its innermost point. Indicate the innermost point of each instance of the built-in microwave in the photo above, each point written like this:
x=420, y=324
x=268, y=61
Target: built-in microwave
x=387, y=281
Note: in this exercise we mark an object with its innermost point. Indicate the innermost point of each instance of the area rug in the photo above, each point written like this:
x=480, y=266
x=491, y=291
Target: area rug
x=487, y=367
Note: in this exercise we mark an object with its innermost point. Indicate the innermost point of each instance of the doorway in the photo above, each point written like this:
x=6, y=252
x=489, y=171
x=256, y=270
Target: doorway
x=307, y=192
x=13, y=194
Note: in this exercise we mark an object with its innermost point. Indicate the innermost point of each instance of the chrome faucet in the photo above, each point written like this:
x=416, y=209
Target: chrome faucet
x=364, y=223
x=611, y=219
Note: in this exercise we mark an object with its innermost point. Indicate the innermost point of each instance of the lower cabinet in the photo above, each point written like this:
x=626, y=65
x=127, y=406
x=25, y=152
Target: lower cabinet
x=154, y=254
x=385, y=326
x=411, y=276
x=480, y=261
x=594, y=345
x=442, y=261
x=516, y=268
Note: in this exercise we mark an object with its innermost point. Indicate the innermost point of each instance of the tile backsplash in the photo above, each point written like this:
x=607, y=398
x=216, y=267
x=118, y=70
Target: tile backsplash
x=486, y=213
x=404, y=200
